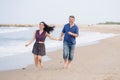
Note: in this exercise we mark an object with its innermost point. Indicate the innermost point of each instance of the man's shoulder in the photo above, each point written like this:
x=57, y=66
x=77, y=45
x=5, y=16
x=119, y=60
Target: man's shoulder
x=66, y=24
x=76, y=26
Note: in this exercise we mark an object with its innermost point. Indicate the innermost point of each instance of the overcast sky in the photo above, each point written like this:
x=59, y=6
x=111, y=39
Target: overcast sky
x=57, y=11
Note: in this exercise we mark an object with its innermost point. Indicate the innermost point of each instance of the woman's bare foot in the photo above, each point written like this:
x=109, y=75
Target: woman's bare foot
x=36, y=68
x=41, y=64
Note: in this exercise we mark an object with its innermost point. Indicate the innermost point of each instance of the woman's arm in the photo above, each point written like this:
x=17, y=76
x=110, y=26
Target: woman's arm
x=33, y=38
x=51, y=37
x=61, y=36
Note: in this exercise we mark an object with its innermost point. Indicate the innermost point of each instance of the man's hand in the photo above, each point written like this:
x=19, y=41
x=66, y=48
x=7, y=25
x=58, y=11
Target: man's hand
x=70, y=33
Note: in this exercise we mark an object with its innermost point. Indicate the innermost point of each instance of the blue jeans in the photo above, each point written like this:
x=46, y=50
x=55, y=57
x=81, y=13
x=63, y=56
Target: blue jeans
x=68, y=50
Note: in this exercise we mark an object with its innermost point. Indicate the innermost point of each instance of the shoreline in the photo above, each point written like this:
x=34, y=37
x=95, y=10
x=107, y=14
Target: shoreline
x=11, y=59
x=93, y=62
x=88, y=64
x=21, y=58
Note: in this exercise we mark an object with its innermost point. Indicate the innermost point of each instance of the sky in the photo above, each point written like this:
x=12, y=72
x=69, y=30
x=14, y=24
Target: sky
x=58, y=11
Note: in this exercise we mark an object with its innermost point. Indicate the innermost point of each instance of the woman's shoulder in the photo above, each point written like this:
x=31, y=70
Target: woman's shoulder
x=37, y=31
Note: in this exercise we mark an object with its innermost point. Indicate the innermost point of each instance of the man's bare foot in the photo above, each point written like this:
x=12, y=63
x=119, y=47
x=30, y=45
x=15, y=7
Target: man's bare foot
x=65, y=66
x=68, y=66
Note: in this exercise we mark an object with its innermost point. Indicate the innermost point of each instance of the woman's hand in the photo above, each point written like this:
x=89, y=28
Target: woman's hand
x=60, y=39
x=26, y=45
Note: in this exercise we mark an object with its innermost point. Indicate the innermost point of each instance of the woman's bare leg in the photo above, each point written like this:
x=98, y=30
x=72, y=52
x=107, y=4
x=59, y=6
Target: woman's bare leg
x=36, y=61
x=40, y=60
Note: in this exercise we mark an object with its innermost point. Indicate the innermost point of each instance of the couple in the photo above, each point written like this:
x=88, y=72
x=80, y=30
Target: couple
x=70, y=32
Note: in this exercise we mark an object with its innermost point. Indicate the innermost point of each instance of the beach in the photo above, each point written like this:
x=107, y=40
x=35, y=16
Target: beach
x=92, y=62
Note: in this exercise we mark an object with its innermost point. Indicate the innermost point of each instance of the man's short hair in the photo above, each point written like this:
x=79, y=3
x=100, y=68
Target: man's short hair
x=71, y=16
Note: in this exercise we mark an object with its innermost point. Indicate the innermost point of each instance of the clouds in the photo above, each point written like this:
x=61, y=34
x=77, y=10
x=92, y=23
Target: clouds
x=54, y=11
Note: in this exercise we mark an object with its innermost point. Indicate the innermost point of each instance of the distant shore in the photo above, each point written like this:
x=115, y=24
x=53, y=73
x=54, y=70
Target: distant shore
x=18, y=25
x=26, y=25
x=85, y=27
x=57, y=25
x=110, y=22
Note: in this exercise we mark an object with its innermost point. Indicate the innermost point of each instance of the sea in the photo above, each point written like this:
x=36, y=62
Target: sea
x=14, y=54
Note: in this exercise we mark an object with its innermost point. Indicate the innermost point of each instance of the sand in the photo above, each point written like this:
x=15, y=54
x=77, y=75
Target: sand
x=94, y=62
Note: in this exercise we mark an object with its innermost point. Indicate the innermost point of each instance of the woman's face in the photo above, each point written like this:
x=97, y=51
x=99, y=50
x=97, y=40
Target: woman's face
x=41, y=26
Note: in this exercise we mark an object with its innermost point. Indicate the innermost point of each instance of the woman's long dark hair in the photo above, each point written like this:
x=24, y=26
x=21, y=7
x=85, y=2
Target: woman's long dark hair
x=48, y=28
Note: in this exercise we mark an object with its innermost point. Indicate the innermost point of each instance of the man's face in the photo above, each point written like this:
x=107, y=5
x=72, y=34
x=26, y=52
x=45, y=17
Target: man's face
x=71, y=20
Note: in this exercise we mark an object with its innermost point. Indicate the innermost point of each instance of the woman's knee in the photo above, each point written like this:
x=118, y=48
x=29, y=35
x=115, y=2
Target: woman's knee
x=39, y=57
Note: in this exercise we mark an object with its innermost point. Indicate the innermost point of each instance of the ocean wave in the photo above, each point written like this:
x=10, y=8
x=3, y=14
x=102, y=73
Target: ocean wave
x=85, y=38
x=12, y=29
x=14, y=50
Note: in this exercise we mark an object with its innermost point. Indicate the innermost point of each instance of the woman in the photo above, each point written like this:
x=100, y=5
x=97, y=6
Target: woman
x=39, y=47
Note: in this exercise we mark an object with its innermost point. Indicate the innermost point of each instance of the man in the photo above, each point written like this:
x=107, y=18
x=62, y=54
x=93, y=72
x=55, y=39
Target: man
x=70, y=32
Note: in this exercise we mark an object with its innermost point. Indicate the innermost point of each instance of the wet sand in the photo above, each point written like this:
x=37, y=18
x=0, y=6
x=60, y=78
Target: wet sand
x=93, y=62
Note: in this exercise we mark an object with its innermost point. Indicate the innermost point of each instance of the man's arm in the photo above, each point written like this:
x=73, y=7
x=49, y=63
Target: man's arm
x=76, y=33
x=73, y=34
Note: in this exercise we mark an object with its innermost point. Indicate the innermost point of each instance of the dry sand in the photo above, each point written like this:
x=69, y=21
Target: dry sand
x=93, y=62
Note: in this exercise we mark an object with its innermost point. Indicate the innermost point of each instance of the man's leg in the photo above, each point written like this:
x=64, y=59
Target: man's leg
x=65, y=53
x=71, y=54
